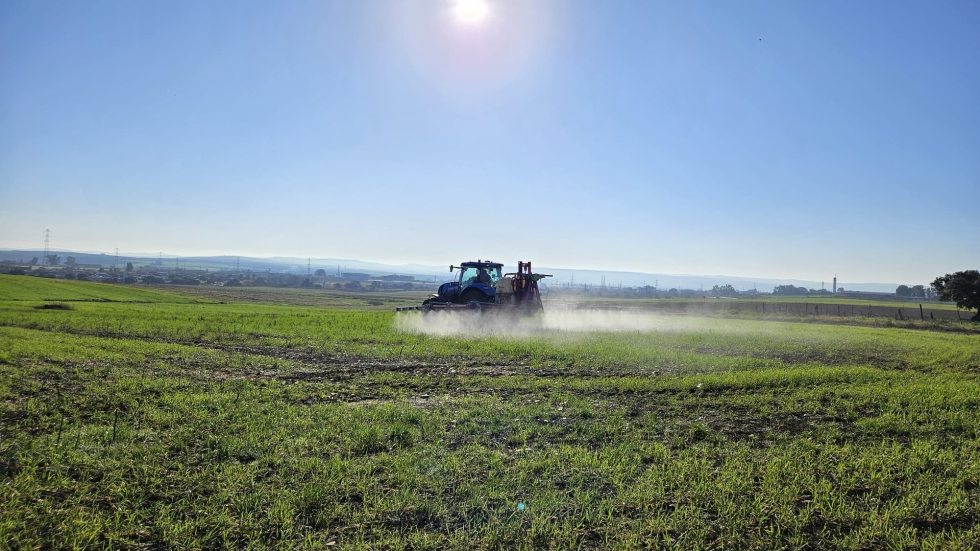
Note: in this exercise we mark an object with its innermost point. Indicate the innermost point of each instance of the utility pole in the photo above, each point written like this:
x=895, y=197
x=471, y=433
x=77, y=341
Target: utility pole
x=47, y=248
x=115, y=259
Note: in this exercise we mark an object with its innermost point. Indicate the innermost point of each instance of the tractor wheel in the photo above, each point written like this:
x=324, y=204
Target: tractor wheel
x=472, y=295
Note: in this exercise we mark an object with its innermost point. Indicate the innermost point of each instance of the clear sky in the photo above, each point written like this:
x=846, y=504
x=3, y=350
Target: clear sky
x=769, y=139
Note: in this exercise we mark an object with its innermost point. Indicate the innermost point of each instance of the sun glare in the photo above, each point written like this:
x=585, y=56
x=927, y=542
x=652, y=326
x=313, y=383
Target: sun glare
x=471, y=11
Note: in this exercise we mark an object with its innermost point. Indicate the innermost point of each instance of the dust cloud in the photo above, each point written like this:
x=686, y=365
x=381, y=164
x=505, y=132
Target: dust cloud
x=551, y=321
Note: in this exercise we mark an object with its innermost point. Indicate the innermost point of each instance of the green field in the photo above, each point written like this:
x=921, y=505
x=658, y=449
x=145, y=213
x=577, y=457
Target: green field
x=162, y=421
x=17, y=288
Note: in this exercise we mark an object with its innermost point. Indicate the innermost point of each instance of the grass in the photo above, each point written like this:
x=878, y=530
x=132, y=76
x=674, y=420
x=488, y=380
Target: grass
x=208, y=425
x=325, y=298
x=19, y=288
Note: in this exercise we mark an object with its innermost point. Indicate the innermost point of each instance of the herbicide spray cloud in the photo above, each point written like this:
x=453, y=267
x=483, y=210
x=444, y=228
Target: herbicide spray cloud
x=554, y=320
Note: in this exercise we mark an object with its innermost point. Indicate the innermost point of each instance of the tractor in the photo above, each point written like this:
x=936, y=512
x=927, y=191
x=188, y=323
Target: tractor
x=481, y=286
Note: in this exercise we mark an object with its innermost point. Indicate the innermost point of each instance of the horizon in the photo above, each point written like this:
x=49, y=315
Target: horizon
x=776, y=141
x=294, y=264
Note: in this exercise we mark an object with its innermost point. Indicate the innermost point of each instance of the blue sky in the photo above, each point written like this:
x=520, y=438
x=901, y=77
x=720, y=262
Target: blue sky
x=769, y=139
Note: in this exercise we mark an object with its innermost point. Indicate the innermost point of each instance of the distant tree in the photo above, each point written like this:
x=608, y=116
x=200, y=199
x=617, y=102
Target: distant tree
x=129, y=266
x=962, y=288
x=788, y=290
x=53, y=259
x=320, y=272
x=306, y=283
x=918, y=291
x=70, y=261
x=33, y=261
x=723, y=291
x=129, y=279
x=338, y=286
x=353, y=286
x=903, y=291
x=152, y=279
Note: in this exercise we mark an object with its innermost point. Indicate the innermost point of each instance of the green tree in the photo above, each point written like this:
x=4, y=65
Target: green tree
x=785, y=290
x=962, y=288
x=723, y=291
x=129, y=266
x=903, y=291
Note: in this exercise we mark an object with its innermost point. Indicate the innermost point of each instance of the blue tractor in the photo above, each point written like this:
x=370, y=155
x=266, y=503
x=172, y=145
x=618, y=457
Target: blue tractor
x=477, y=282
x=481, y=286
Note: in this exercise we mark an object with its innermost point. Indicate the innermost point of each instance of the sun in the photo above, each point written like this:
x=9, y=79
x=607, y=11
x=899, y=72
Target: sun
x=471, y=11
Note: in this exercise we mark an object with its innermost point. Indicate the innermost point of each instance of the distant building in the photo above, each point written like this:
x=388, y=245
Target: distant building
x=354, y=276
x=397, y=278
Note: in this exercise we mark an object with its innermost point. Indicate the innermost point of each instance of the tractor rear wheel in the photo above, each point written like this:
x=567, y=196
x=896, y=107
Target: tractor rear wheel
x=472, y=295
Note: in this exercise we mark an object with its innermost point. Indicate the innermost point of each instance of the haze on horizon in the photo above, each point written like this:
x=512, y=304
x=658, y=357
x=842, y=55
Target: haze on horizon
x=777, y=140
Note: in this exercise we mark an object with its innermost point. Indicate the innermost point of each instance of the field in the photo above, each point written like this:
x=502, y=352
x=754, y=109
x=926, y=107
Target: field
x=134, y=418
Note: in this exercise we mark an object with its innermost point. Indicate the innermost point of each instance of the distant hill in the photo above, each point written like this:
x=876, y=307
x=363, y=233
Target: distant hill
x=439, y=273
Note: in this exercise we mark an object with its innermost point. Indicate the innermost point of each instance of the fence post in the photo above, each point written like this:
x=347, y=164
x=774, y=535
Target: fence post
x=922, y=314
